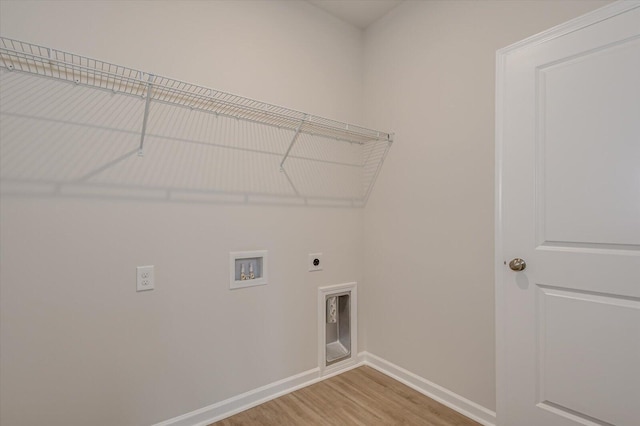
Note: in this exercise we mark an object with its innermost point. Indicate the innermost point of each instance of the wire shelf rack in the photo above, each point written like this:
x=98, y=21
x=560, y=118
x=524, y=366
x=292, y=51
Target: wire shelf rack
x=55, y=64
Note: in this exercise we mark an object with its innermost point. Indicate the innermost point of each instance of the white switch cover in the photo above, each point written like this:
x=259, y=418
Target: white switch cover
x=145, y=279
x=315, y=262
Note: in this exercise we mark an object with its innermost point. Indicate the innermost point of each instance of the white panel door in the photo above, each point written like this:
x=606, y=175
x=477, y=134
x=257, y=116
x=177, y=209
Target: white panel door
x=568, y=162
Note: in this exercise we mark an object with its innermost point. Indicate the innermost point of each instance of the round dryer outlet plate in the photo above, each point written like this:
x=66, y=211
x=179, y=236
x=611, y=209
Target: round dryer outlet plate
x=315, y=262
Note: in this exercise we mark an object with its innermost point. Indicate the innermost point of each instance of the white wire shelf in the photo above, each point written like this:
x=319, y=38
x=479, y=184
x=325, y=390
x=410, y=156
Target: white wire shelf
x=24, y=57
x=44, y=61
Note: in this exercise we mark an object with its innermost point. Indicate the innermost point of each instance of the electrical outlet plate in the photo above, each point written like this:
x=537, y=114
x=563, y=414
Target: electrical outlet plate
x=145, y=279
x=315, y=262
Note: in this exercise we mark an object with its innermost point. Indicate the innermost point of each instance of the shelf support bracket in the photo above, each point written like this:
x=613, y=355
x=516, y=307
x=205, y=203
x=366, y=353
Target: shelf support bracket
x=146, y=114
x=293, y=140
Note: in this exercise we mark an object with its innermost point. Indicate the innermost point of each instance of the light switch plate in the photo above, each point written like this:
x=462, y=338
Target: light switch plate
x=145, y=278
x=315, y=262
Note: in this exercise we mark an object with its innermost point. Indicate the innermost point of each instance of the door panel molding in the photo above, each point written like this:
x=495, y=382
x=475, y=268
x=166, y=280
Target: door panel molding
x=585, y=215
x=571, y=415
x=587, y=364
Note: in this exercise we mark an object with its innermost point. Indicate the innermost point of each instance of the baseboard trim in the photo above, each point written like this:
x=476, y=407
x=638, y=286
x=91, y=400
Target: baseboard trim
x=234, y=405
x=229, y=407
x=444, y=396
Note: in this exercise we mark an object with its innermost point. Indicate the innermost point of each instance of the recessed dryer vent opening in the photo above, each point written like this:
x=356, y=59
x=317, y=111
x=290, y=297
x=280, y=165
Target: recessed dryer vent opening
x=338, y=327
x=337, y=317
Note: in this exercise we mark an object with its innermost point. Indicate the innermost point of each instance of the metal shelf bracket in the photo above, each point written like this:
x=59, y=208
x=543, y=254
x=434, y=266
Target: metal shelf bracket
x=146, y=114
x=293, y=140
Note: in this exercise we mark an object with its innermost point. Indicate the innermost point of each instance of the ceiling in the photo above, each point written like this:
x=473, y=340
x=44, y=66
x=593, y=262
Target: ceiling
x=360, y=13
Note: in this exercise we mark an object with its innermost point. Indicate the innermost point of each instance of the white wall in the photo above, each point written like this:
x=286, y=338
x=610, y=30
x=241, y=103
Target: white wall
x=79, y=345
x=429, y=76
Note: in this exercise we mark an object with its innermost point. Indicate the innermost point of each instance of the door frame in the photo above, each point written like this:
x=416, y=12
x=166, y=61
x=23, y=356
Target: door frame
x=576, y=24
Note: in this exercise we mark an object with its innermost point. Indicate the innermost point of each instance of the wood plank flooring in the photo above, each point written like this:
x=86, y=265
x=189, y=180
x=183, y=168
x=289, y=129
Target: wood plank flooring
x=363, y=397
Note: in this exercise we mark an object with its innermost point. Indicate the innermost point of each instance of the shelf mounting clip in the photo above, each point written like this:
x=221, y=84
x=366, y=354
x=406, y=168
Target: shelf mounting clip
x=293, y=140
x=146, y=114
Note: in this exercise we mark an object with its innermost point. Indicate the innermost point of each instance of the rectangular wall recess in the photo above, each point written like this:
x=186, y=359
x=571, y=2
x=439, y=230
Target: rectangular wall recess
x=247, y=268
x=337, y=326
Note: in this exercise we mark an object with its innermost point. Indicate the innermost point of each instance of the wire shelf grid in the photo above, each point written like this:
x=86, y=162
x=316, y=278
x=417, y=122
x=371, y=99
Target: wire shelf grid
x=32, y=59
x=17, y=55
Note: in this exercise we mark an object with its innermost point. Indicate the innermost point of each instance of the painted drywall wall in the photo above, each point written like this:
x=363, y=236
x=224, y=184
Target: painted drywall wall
x=79, y=345
x=429, y=76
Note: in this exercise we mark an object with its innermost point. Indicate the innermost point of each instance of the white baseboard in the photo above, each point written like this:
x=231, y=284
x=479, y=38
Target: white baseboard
x=234, y=405
x=223, y=409
x=444, y=396
x=228, y=407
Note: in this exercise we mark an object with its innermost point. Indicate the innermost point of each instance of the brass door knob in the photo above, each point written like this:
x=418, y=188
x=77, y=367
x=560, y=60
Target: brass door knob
x=517, y=264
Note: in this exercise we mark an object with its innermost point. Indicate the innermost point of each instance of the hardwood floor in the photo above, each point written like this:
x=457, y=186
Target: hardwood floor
x=362, y=396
